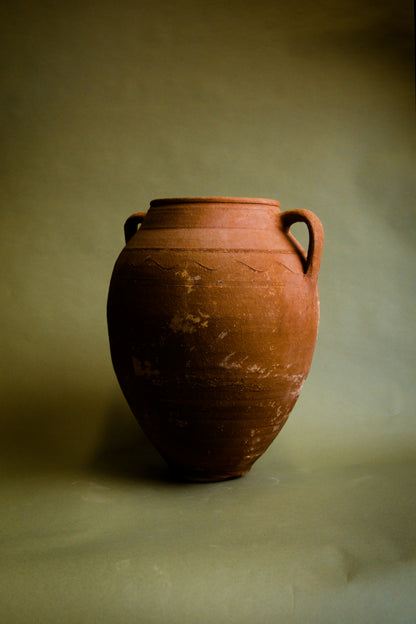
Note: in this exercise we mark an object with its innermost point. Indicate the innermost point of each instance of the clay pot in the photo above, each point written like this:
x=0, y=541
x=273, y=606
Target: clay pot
x=213, y=315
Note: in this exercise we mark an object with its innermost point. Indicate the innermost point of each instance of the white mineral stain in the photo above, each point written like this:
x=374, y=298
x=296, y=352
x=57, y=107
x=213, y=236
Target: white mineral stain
x=189, y=323
x=188, y=279
x=295, y=393
x=262, y=371
x=300, y=377
x=227, y=363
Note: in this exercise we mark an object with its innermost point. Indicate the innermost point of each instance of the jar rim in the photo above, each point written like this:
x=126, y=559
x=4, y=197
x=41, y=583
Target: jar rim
x=214, y=200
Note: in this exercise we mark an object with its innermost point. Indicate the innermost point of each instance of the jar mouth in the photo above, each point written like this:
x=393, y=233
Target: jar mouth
x=214, y=200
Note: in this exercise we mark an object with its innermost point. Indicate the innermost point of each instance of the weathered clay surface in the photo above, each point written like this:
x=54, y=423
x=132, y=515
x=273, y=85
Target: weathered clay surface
x=213, y=313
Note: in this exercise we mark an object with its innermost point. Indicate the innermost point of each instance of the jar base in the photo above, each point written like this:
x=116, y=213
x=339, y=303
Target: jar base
x=196, y=476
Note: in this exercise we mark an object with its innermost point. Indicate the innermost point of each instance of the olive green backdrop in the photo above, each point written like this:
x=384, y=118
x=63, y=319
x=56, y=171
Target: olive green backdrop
x=107, y=105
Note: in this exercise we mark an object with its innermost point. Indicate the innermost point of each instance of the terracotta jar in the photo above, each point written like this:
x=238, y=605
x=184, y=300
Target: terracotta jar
x=213, y=314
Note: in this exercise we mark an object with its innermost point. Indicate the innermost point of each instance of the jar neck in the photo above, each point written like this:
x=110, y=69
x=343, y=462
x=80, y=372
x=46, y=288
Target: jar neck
x=212, y=212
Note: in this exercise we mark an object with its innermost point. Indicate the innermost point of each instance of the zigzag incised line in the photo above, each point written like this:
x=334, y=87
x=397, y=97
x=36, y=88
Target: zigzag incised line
x=178, y=266
x=149, y=259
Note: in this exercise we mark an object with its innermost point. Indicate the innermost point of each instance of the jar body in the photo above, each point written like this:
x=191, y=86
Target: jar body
x=212, y=322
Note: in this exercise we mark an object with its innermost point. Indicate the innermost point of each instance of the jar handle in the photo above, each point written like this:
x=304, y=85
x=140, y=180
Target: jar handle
x=130, y=226
x=316, y=238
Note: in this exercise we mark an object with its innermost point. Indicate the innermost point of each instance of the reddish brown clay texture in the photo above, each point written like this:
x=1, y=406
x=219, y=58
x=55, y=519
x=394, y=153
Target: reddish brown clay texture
x=213, y=314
